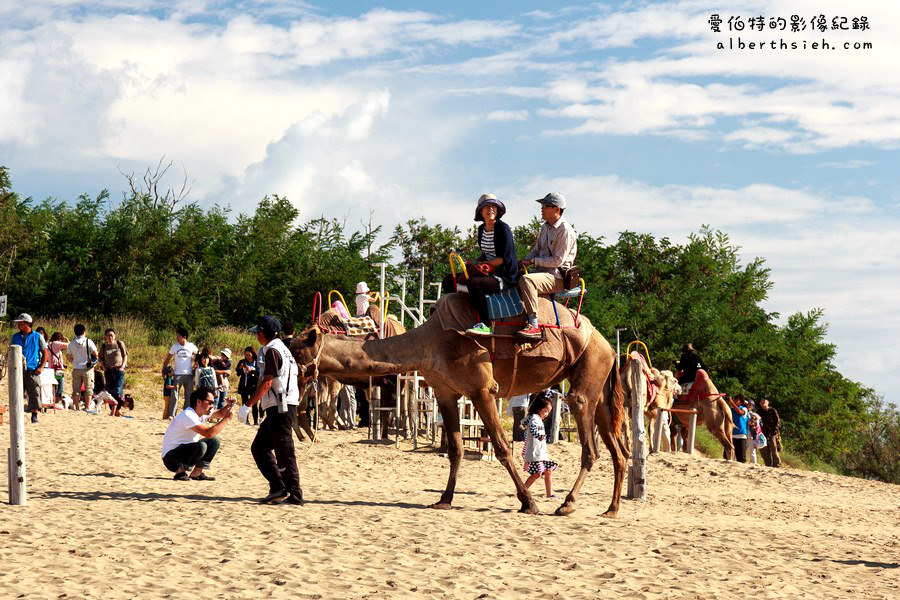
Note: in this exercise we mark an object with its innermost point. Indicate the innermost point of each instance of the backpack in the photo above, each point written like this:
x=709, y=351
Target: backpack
x=208, y=378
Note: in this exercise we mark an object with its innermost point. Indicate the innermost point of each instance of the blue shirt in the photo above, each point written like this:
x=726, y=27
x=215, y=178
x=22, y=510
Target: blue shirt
x=740, y=422
x=32, y=348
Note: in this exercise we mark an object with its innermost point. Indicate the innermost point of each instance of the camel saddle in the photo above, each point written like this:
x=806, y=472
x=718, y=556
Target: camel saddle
x=455, y=313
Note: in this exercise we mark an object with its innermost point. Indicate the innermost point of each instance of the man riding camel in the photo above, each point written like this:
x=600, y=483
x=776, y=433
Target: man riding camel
x=553, y=253
x=687, y=368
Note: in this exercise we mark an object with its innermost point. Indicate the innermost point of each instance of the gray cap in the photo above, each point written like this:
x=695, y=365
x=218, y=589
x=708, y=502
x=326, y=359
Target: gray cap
x=553, y=199
x=23, y=317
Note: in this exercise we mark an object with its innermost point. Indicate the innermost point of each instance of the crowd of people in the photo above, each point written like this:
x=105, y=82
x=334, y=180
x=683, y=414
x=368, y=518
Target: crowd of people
x=98, y=373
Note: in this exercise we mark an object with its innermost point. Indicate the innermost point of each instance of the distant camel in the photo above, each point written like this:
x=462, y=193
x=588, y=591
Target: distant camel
x=456, y=365
x=713, y=408
x=660, y=390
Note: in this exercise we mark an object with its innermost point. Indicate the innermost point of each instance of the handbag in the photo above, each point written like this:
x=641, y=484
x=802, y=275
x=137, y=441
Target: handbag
x=484, y=269
x=571, y=277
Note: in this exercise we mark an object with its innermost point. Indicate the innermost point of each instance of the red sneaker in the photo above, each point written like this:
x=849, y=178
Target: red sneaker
x=530, y=331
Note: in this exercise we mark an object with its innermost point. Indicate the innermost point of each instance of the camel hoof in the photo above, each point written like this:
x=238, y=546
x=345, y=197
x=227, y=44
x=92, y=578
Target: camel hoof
x=531, y=509
x=441, y=506
x=610, y=514
x=565, y=509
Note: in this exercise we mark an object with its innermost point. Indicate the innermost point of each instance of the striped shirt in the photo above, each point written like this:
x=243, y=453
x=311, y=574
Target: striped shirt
x=487, y=245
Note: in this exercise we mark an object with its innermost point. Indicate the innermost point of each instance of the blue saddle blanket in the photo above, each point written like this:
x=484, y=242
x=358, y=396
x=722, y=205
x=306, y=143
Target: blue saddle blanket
x=505, y=304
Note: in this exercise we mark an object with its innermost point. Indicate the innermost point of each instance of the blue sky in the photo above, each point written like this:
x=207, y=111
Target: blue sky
x=412, y=108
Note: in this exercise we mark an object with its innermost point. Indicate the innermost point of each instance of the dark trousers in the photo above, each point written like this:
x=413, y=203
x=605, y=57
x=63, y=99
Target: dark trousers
x=740, y=450
x=32, y=384
x=362, y=407
x=115, y=384
x=275, y=435
x=187, y=455
x=479, y=286
x=518, y=417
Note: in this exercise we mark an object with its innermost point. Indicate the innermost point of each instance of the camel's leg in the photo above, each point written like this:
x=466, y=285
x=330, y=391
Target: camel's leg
x=450, y=416
x=582, y=409
x=483, y=400
x=604, y=424
x=301, y=424
x=716, y=424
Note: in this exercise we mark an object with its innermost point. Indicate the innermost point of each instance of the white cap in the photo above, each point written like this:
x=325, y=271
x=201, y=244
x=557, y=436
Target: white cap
x=362, y=288
x=23, y=317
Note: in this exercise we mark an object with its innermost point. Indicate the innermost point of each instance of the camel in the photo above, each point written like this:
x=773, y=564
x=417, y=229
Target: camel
x=456, y=365
x=328, y=389
x=660, y=390
x=713, y=408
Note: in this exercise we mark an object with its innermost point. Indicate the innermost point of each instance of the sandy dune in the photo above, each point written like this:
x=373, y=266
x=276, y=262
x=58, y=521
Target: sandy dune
x=105, y=520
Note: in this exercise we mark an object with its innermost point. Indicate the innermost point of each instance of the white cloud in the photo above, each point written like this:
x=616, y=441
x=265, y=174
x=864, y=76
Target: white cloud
x=501, y=116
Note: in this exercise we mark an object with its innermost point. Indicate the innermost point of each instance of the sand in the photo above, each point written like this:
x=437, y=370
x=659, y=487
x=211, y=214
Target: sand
x=105, y=520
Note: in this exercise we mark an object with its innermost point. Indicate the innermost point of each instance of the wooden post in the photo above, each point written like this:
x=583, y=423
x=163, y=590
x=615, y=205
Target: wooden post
x=661, y=415
x=692, y=430
x=16, y=456
x=637, y=473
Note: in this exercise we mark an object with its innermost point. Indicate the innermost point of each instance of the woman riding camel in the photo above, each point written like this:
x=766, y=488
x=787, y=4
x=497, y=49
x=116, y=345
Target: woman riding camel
x=497, y=268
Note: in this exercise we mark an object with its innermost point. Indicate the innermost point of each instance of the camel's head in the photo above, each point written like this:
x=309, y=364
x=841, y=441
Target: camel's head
x=307, y=348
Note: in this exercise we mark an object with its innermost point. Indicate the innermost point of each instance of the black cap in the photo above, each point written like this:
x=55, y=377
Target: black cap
x=268, y=325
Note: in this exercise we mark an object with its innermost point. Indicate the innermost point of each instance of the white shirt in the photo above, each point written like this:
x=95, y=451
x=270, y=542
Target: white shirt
x=535, y=448
x=183, y=355
x=286, y=381
x=520, y=401
x=179, y=430
x=362, y=304
x=80, y=350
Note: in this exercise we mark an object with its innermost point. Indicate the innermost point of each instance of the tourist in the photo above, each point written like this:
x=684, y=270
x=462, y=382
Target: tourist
x=222, y=367
x=537, y=460
x=739, y=416
x=35, y=355
x=755, y=439
x=168, y=387
x=190, y=444
x=363, y=299
x=248, y=377
x=58, y=343
x=496, y=269
x=687, y=367
x=204, y=373
x=83, y=352
x=184, y=353
x=771, y=428
x=553, y=253
x=113, y=360
x=278, y=395
x=518, y=408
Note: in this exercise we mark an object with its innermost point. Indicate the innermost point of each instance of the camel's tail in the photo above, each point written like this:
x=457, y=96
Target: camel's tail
x=616, y=401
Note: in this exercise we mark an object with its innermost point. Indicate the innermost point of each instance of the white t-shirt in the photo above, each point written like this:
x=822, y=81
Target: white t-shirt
x=80, y=350
x=179, y=431
x=362, y=304
x=183, y=355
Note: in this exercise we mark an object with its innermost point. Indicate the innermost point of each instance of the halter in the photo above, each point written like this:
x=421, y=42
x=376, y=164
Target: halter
x=314, y=362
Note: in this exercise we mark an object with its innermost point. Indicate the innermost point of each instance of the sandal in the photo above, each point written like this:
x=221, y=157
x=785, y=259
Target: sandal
x=183, y=476
x=203, y=477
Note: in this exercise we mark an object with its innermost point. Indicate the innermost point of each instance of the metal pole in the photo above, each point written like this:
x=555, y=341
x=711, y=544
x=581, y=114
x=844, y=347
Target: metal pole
x=421, y=295
x=16, y=454
x=403, y=300
x=618, y=350
x=381, y=303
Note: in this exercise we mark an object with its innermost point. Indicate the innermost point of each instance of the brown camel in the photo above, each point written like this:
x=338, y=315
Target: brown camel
x=660, y=391
x=713, y=408
x=455, y=365
x=327, y=389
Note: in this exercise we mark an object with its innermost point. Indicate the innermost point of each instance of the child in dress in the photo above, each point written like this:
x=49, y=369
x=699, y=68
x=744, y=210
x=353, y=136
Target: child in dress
x=537, y=461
